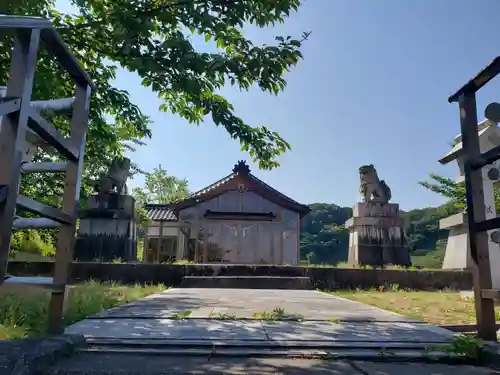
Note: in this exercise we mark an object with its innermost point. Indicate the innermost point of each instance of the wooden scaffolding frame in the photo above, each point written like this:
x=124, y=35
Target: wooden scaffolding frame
x=20, y=117
x=478, y=226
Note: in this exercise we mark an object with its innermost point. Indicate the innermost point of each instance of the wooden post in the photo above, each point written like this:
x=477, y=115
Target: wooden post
x=205, y=243
x=160, y=242
x=485, y=311
x=282, y=245
x=71, y=196
x=298, y=239
x=145, y=244
x=13, y=135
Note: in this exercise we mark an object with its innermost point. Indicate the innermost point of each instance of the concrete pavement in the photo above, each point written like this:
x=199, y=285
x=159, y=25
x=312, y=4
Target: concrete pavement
x=220, y=333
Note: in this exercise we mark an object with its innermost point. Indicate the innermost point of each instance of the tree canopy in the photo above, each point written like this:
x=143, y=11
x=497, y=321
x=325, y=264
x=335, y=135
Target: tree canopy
x=154, y=40
x=160, y=188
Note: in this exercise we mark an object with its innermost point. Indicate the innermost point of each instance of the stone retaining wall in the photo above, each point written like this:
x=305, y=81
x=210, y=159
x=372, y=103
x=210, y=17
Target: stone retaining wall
x=321, y=277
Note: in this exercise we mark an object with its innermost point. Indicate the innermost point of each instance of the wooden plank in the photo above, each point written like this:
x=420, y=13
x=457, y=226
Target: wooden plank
x=65, y=58
x=66, y=235
x=476, y=211
x=34, y=223
x=9, y=105
x=15, y=284
x=41, y=209
x=13, y=135
x=23, y=22
x=51, y=135
x=44, y=167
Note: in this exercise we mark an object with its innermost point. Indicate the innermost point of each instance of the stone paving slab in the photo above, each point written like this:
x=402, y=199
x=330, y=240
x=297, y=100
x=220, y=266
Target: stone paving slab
x=169, y=328
x=257, y=330
x=205, y=303
x=327, y=318
x=379, y=368
x=159, y=365
x=90, y=364
x=357, y=331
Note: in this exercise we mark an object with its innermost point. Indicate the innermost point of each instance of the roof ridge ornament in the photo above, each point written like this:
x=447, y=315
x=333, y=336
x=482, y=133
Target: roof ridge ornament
x=241, y=168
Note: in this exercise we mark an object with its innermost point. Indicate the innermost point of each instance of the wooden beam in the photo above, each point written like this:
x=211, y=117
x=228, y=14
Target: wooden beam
x=481, y=79
x=13, y=135
x=482, y=160
x=489, y=224
x=34, y=223
x=72, y=184
x=51, y=135
x=476, y=211
x=53, y=41
x=493, y=294
x=44, y=167
x=9, y=105
x=41, y=209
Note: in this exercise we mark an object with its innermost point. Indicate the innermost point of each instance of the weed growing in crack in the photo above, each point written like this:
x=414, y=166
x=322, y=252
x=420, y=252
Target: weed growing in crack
x=181, y=315
x=223, y=316
x=278, y=314
x=468, y=346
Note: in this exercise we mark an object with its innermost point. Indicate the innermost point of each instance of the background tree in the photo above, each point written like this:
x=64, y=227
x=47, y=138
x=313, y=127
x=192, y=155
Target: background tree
x=160, y=188
x=452, y=190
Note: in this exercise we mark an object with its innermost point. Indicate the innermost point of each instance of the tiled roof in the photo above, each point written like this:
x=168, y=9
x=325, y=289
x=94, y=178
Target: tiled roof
x=242, y=169
x=212, y=186
x=233, y=175
x=160, y=213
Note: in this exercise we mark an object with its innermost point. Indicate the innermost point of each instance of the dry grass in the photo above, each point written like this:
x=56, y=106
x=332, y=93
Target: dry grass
x=433, y=307
x=26, y=315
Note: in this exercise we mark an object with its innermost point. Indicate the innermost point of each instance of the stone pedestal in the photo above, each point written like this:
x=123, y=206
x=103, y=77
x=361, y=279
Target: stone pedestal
x=457, y=254
x=107, y=229
x=457, y=249
x=376, y=235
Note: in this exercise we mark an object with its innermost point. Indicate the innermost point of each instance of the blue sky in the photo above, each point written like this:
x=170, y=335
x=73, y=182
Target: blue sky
x=372, y=89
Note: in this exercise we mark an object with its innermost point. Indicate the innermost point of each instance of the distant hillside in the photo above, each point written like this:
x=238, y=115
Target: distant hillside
x=324, y=239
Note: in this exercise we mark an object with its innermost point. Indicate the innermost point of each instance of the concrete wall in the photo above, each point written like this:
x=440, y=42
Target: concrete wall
x=323, y=278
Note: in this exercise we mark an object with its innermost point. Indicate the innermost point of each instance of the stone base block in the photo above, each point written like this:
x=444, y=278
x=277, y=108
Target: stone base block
x=368, y=255
x=246, y=282
x=377, y=235
x=110, y=206
x=105, y=248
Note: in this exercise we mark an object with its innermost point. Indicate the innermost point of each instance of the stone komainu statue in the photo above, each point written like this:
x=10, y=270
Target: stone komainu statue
x=115, y=178
x=372, y=189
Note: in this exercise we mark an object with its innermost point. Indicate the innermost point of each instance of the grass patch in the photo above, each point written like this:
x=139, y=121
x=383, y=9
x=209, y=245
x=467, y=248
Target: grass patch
x=181, y=315
x=439, y=307
x=26, y=315
x=278, y=314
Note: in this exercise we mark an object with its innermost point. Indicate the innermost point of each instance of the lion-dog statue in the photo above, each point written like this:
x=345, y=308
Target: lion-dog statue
x=114, y=180
x=371, y=187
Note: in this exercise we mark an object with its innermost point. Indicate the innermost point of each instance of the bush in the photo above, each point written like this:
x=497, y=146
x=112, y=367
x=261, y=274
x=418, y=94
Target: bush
x=26, y=315
x=34, y=242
